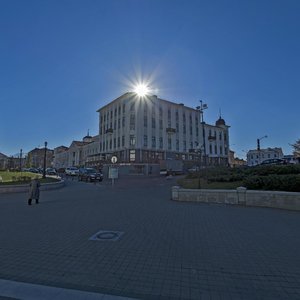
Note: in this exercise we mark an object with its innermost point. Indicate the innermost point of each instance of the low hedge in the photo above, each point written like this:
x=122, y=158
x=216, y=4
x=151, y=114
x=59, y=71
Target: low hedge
x=288, y=183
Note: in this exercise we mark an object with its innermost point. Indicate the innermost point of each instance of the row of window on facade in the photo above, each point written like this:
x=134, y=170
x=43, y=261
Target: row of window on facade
x=115, y=143
x=263, y=156
x=132, y=126
x=117, y=112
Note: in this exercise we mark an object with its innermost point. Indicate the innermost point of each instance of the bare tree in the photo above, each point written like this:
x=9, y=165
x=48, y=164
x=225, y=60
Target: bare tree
x=296, y=147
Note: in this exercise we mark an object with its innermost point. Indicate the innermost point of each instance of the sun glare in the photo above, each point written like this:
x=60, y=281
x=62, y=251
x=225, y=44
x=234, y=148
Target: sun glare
x=141, y=90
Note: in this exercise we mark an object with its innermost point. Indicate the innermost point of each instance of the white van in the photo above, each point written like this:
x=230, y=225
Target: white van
x=73, y=171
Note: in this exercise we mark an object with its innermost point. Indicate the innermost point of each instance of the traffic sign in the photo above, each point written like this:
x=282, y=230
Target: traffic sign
x=114, y=159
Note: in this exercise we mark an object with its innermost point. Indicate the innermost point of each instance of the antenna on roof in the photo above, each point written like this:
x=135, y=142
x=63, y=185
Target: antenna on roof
x=88, y=132
x=220, y=114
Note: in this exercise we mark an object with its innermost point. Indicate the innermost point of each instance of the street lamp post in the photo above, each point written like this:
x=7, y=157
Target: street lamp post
x=45, y=152
x=258, y=146
x=21, y=160
x=201, y=108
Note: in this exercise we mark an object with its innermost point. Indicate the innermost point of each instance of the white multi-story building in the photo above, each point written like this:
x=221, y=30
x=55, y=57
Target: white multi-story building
x=257, y=156
x=78, y=154
x=149, y=129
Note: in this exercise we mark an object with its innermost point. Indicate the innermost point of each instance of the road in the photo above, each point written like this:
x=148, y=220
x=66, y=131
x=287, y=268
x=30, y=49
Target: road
x=166, y=249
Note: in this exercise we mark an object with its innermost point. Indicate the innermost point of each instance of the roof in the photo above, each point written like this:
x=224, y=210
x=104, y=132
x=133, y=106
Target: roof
x=132, y=94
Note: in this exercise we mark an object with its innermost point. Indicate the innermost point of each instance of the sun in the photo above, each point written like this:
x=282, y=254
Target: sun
x=141, y=89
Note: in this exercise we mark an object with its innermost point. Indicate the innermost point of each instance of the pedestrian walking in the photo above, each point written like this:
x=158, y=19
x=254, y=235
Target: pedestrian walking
x=34, y=191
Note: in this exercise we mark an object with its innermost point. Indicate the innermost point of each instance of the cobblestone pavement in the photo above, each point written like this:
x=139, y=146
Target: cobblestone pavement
x=168, y=250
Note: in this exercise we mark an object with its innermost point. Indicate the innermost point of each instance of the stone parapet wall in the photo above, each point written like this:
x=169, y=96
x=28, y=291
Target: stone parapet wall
x=240, y=196
x=25, y=187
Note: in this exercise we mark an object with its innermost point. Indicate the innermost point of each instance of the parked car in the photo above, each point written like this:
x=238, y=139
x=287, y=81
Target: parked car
x=73, y=171
x=274, y=161
x=89, y=174
x=32, y=170
x=193, y=169
x=163, y=172
x=51, y=171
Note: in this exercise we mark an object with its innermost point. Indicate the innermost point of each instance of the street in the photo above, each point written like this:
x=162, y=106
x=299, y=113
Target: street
x=165, y=250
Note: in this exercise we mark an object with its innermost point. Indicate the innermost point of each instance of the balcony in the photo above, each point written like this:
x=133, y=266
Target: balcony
x=211, y=137
x=109, y=131
x=170, y=130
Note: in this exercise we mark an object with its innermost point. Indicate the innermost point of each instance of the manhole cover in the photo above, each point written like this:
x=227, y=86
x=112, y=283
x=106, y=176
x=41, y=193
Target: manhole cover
x=106, y=235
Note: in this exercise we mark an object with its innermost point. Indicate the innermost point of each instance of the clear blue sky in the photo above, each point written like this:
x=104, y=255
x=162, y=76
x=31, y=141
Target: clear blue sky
x=62, y=60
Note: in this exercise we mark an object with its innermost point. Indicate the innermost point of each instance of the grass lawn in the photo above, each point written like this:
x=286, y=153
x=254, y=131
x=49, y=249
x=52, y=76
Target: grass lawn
x=11, y=178
x=193, y=184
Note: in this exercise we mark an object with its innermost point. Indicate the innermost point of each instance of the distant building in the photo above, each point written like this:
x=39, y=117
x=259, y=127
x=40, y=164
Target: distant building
x=235, y=161
x=35, y=158
x=291, y=159
x=150, y=130
x=79, y=154
x=3, y=161
x=256, y=157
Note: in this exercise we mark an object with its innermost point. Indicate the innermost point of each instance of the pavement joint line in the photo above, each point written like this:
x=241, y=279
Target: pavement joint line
x=28, y=291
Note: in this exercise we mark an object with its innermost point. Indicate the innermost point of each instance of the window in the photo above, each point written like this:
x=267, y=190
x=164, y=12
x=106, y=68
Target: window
x=123, y=121
x=115, y=124
x=160, y=124
x=115, y=112
x=216, y=149
x=191, y=130
x=177, y=116
x=123, y=140
x=210, y=149
x=177, y=145
x=184, y=146
x=132, y=155
x=160, y=112
x=119, y=123
x=119, y=110
x=115, y=143
x=153, y=142
x=160, y=142
x=177, y=127
x=132, y=106
x=183, y=117
x=110, y=144
x=111, y=114
x=132, y=140
x=145, y=121
x=221, y=150
x=197, y=131
x=145, y=141
x=124, y=108
x=225, y=136
x=118, y=142
x=169, y=144
x=184, y=129
x=132, y=122
x=220, y=136
x=153, y=122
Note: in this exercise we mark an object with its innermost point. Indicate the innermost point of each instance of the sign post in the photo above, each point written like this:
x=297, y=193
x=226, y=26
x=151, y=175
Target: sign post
x=113, y=172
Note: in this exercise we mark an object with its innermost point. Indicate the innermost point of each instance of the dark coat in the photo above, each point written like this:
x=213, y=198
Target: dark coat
x=34, y=189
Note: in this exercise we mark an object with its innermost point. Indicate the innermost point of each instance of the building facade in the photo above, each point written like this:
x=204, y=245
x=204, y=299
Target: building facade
x=35, y=158
x=257, y=156
x=149, y=129
x=79, y=154
x=3, y=161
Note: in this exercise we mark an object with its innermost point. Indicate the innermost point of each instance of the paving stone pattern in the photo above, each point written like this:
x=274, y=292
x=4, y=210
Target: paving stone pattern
x=169, y=250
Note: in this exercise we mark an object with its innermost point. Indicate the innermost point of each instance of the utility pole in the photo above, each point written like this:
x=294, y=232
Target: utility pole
x=45, y=153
